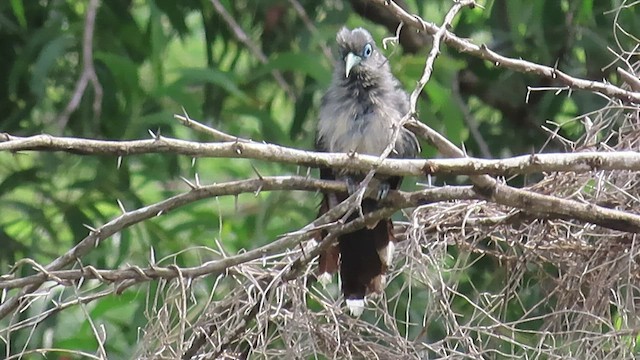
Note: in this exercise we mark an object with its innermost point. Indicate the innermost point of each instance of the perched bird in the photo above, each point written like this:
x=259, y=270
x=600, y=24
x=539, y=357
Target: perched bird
x=359, y=114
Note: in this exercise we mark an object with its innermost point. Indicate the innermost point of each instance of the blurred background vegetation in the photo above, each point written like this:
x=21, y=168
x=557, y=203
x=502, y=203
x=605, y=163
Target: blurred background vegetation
x=154, y=58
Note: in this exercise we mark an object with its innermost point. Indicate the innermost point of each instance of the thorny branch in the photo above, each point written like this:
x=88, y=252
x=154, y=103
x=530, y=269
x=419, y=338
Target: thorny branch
x=455, y=165
x=483, y=52
x=396, y=200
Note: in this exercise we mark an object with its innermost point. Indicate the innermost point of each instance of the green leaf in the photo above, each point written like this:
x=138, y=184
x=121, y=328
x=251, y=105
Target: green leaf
x=123, y=69
x=305, y=63
x=213, y=76
x=76, y=219
x=18, y=179
x=51, y=52
x=18, y=11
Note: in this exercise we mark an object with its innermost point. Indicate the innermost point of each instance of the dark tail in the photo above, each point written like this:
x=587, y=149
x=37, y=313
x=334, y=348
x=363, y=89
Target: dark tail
x=363, y=257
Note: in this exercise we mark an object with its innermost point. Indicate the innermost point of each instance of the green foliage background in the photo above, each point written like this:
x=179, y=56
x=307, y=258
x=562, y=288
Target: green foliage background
x=153, y=58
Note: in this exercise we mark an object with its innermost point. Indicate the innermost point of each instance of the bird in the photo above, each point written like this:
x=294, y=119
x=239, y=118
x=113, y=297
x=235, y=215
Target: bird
x=358, y=114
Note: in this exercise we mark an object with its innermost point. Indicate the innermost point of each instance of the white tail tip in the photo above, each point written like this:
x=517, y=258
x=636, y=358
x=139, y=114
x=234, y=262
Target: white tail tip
x=355, y=306
x=325, y=279
x=391, y=248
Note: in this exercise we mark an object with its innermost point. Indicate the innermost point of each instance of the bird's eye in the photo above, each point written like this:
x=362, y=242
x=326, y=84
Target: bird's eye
x=366, y=52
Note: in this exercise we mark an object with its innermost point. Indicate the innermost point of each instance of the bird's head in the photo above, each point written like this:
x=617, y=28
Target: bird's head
x=358, y=52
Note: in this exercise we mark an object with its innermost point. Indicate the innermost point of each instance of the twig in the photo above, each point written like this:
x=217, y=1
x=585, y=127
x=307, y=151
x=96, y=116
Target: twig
x=435, y=50
x=629, y=78
x=311, y=27
x=88, y=71
x=214, y=133
x=255, y=50
x=471, y=122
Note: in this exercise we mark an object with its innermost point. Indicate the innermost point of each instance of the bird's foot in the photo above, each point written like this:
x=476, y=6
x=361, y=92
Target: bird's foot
x=352, y=185
x=383, y=190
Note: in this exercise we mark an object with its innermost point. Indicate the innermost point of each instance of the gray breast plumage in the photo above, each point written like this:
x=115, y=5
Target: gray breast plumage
x=353, y=118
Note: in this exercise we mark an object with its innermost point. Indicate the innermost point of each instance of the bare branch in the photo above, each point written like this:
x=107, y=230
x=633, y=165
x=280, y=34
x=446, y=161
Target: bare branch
x=483, y=52
x=435, y=50
x=88, y=70
x=524, y=164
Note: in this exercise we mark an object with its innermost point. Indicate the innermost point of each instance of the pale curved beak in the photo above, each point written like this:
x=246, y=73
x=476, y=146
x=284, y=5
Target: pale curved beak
x=350, y=61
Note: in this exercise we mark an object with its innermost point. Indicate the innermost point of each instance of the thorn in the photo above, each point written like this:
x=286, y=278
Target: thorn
x=257, y=192
x=237, y=147
x=187, y=119
x=151, y=133
x=121, y=206
x=198, y=181
x=92, y=229
x=533, y=158
x=193, y=162
x=418, y=19
x=191, y=185
x=119, y=162
x=235, y=203
x=160, y=213
x=256, y=171
x=152, y=256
